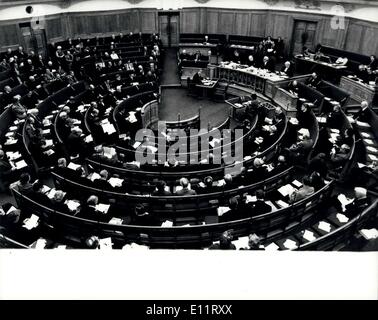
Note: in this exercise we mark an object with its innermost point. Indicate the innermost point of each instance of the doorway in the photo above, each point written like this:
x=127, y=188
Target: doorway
x=169, y=28
x=34, y=38
x=303, y=35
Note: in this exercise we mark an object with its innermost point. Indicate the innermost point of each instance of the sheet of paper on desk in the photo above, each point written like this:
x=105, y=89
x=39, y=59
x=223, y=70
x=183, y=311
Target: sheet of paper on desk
x=371, y=149
x=222, y=210
x=49, y=143
x=102, y=207
x=20, y=164
x=49, y=152
x=361, y=165
x=32, y=222
x=322, y=119
x=137, y=144
x=242, y=242
x=290, y=244
x=286, y=190
x=366, y=135
x=335, y=130
x=40, y=243
x=115, y=182
x=325, y=226
x=13, y=128
x=251, y=198
x=369, y=141
x=11, y=141
x=344, y=200
x=46, y=131
x=115, y=221
x=247, y=158
x=45, y=189
x=363, y=124
x=297, y=183
x=272, y=247
x=342, y=218
x=109, y=152
x=51, y=194
x=88, y=138
x=72, y=204
x=105, y=243
x=221, y=183
x=94, y=176
x=372, y=157
x=73, y=166
x=167, y=224
x=108, y=128
x=309, y=235
x=13, y=155
x=369, y=233
x=10, y=134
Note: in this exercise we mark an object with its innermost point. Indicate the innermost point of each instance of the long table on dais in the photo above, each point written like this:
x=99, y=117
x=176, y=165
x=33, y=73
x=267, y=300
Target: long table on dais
x=360, y=91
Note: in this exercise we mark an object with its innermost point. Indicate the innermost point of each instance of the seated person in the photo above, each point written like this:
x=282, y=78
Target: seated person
x=90, y=212
x=23, y=186
x=303, y=192
x=363, y=114
x=197, y=78
x=57, y=202
x=206, y=186
x=185, y=191
x=18, y=109
x=317, y=181
x=287, y=69
x=342, y=61
x=142, y=217
x=225, y=242
x=253, y=105
x=360, y=202
x=38, y=195
x=102, y=183
x=259, y=206
x=161, y=189
x=267, y=64
x=293, y=87
x=313, y=81
x=254, y=242
x=340, y=157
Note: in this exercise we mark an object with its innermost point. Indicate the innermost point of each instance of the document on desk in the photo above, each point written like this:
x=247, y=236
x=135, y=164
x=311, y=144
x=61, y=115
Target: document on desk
x=109, y=152
x=363, y=124
x=104, y=208
x=342, y=218
x=272, y=247
x=366, y=135
x=117, y=221
x=108, y=128
x=325, y=226
x=221, y=183
x=297, y=183
x=286, y=190
x=251, y=198
x=73, y=166
x=94, y=176
x=309, y=235
x=106, y=243
x=137, y=144
x=290, y=244
x=115, y=182
x=369, y=234
x=40, y=243
x=20, y=164
x=344, y=201
x=167, y=224
x=242, y=242
x=88, y=138
x=32, y=222
x=72, y=204
x=13, y=155
x=282, y=204
x=222, y=210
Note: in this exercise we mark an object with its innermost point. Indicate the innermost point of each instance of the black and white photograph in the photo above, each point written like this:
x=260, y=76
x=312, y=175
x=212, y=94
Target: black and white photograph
x=190, y=132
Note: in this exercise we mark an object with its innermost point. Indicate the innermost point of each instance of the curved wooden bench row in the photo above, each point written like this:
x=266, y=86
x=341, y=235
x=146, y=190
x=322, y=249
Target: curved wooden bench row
x=176, y=237
x=342, y=234
x=175, y=203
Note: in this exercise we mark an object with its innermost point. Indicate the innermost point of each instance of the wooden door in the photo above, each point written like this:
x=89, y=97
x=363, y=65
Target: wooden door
x=303, y=35
x=164, y=29
x=174, y=28
x=34, y=39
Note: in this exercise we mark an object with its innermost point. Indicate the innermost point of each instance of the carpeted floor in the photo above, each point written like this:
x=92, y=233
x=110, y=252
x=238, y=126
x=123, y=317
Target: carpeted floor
x=170, y=71
x=176, y=100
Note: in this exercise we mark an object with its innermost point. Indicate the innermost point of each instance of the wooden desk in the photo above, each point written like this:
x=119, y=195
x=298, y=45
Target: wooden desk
x=192, y=48
x=330, y=71
x=207, y=86
x=259, y=80
x=360, y=91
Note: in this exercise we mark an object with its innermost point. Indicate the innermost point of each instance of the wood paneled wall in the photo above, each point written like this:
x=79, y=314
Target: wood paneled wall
x=358, y=36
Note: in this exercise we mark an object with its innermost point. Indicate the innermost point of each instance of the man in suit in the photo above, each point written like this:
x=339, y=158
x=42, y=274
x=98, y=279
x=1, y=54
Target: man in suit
x=287, y=69
x=5, y=171
x=360, y=202
x=259, y=206
x=102, y=183
x=314, y=80
x=267, y=64
x=197, y=78
x=363, y=114
x=75, y=141
x=225, y=242
x=160, y=189
x=185, y=191
x=305, y=191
